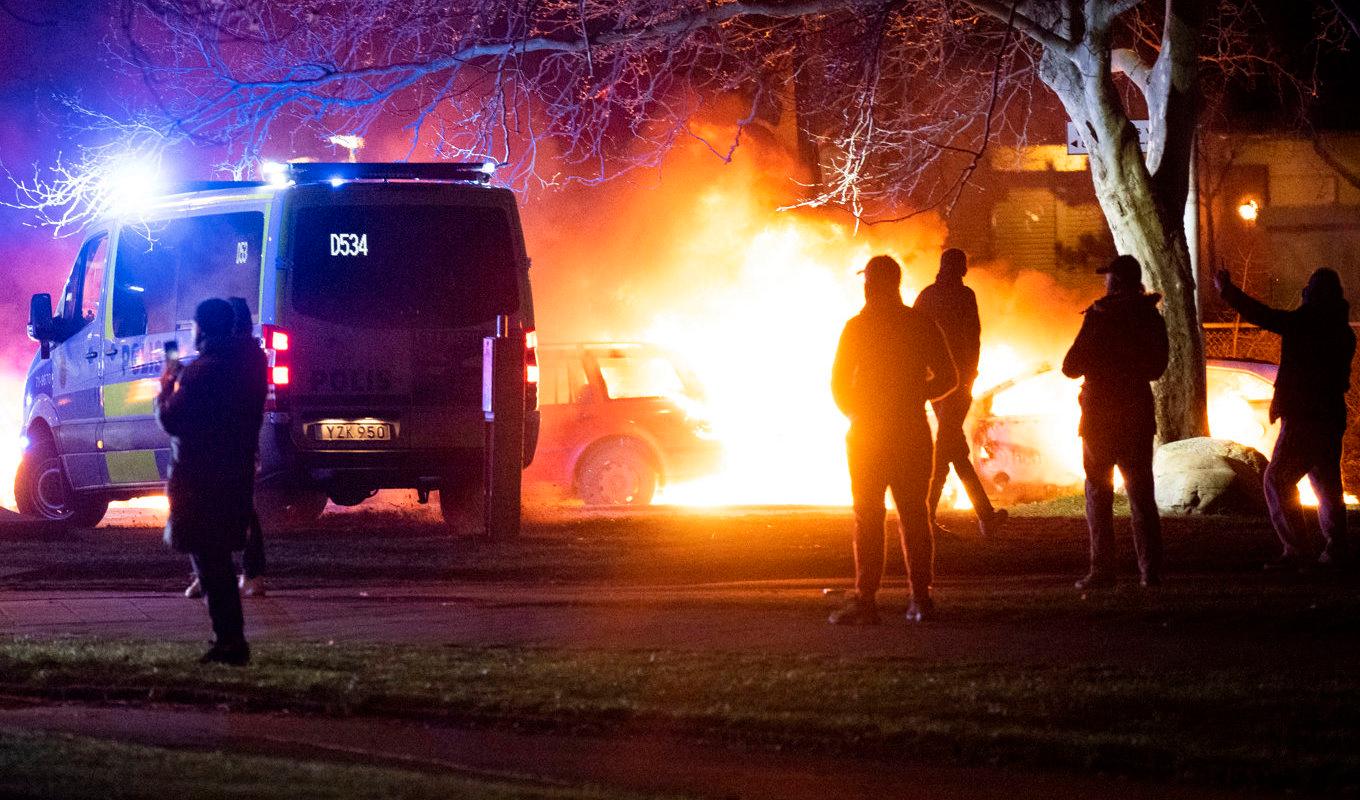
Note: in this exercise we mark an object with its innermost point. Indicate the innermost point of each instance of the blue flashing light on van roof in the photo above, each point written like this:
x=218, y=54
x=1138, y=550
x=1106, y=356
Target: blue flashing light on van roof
x=335, y=173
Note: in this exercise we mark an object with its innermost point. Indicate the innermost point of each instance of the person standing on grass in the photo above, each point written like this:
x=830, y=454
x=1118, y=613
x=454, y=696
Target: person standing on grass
x=1316, y=348
x=212, y=410
x=1121, y=348
x=953, y=307
x=890, y=361
x=252, y=558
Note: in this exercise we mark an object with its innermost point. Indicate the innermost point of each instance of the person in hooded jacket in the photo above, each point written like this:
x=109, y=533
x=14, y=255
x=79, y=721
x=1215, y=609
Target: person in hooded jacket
x=1316, y=348
x=890, y=361
x=1121, y=348
x=252, y=558
x=212, y=408
x=954, y=308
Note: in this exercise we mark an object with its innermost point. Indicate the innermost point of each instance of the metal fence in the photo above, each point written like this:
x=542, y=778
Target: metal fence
x=1236, y=340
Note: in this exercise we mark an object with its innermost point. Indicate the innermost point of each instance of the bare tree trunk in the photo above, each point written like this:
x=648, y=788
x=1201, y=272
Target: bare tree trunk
x=1144, y=199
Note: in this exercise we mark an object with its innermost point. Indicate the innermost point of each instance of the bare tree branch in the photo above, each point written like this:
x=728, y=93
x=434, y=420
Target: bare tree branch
x=1026, y=25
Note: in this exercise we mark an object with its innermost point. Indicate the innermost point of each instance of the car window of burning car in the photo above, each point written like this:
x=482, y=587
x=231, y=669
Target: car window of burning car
x=628, y=375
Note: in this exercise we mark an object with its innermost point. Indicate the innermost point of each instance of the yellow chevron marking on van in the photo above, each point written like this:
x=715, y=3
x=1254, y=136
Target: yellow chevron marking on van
x=131, y=398
x=132, y=466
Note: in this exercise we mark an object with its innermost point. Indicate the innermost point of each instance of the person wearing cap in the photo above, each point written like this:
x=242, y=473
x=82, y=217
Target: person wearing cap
x=1316, y=348
x=954, y=308
x=212, y=410
x=1121, y=348
x=252, y=558
x=890, y=361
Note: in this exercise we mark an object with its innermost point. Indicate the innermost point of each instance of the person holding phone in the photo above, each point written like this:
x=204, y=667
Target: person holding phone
x=213, y=409
x=252, y=558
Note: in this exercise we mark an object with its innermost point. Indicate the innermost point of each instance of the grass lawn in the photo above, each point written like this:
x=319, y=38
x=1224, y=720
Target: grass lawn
x=654, y=546
x=1231, y=724
x=55, y=766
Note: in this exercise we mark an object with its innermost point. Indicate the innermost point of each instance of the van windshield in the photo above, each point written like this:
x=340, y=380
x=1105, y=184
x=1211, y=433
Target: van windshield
x=404, y=265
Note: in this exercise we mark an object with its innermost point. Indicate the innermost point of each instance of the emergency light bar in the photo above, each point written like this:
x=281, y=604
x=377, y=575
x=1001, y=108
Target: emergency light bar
x=337, y=173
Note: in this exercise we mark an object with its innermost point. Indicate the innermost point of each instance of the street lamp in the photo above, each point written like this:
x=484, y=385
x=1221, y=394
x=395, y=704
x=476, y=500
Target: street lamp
x=350, y=142
x=1249, y=210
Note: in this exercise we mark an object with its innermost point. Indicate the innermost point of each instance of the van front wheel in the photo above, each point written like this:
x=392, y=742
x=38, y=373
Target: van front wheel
x=42, y=490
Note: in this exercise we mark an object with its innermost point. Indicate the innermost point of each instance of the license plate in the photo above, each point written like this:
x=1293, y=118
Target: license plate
x=353, y=431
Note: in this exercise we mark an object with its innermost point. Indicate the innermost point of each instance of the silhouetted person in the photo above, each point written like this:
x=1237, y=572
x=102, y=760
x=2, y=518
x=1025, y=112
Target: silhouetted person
x=252, y=558
x=1120, y=350
x=1316, y=348
x=954, y=308
x=212, y=410
x=890, y=361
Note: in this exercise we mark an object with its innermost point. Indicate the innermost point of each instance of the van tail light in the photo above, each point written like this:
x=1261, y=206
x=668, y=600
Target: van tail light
x=278, y=350
x=531, y=356
x=530, y=369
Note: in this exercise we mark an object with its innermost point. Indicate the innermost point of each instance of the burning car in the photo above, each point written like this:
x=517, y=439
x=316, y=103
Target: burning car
x=618, y=420
x=1024, y=430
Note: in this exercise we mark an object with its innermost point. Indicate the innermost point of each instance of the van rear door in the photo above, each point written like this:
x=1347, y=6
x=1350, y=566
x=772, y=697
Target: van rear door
x=163, y=270
x=390, y=290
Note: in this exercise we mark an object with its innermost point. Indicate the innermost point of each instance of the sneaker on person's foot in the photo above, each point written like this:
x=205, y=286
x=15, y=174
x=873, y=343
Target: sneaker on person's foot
x=252, y=587
x=922, y=610
x=1096, y=580
x=195, y=590
x=856, y=611
x=992, y=525
x=234, y=655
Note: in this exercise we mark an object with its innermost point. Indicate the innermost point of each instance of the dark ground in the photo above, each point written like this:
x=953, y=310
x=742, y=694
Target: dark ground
x=563, y=546
x=703, y=628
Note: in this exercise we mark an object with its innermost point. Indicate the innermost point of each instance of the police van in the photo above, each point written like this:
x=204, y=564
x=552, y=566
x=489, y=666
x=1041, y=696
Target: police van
x=371, y=287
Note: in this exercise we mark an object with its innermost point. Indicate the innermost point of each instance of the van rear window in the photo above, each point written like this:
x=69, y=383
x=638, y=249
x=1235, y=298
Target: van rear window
x=404, y=266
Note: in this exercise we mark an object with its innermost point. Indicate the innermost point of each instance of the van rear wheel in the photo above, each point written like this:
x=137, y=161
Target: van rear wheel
x=42, y=489
x=462, y=505
x=285, y=508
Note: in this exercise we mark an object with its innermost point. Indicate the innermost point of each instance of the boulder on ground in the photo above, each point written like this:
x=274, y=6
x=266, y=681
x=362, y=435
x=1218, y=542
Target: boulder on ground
x=1209, y=476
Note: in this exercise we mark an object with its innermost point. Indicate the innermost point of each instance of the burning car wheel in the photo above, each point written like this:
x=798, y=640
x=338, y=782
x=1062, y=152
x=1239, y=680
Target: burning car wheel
x=41, y=489
x=616, y=473
x=280, y=508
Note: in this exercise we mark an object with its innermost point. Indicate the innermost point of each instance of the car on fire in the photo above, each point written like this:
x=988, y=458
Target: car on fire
x=1024, y=431
x=619, y=420
x=371, y=286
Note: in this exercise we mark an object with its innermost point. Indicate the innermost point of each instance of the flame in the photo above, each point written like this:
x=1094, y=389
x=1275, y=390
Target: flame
x=12, y=442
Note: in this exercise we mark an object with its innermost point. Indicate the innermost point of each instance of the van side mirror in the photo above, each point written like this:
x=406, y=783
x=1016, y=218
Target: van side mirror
x=41, y=326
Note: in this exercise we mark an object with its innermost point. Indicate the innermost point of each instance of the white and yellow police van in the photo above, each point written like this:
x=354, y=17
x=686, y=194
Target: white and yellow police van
x=371, y=287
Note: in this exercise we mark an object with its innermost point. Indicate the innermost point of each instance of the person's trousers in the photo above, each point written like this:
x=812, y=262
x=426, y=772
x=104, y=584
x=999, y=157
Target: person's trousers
x=252, y=559
x=1315, y=451
x=216, y=573
x=1133, y=456
x=951, y=447
x=901, y=464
